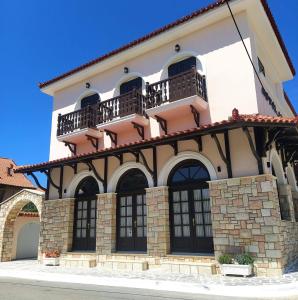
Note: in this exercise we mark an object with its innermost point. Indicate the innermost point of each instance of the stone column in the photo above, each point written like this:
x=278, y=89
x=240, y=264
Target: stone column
x=158, y=228
x=246, y=217
x=57, y=225
x=106, y=224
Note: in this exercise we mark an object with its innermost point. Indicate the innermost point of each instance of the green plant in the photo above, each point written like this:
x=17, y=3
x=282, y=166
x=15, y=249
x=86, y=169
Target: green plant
x=225, y=259
x=244, y=259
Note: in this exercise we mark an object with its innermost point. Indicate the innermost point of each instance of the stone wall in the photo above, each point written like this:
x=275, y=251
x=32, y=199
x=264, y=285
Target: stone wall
x=246, y=217
x=158, y=227
x=57, y=225
x=106, y=224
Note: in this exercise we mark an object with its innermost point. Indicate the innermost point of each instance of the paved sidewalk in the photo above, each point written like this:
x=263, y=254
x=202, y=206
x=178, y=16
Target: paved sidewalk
x=286, y=285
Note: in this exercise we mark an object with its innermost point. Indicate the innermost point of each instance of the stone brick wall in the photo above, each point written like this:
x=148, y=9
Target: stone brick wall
x=106, y=224
x=158, y=227
x=57, y=225
x=246, y=217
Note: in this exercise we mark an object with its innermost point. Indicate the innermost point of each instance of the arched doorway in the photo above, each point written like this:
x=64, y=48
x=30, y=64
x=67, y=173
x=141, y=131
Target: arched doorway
x=10, y=214
x=180, y=89
x=190, y=210
x=131, y=212
x=84, y=237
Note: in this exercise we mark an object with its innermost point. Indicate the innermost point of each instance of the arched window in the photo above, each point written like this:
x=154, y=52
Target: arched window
x=182, y=66
x=130, y=85
x=190, y=209
x=131, y=211
x=84, y=237
x=90, y=100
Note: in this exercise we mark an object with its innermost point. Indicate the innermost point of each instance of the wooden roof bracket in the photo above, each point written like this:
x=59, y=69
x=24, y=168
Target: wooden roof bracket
x=163, y=123
x=36, y=181
x=140, y=129
x=272, y=136
x=89, y=163
x=93, y=140
x=71, y=146
x=196, y=115
x=113, y=136
x=57, y=187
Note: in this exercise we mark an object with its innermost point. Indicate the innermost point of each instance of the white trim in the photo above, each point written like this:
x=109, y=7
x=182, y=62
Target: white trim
x=275, y=161
x=180, y=56
x=86, y=93
x=77, y=179
x=112, y=185
x=125, y=78
x=291, y=178
x=173, y=161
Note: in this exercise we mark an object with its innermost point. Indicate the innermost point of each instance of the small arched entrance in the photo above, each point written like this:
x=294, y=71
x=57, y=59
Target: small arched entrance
x=190, y=210
x=131, y=212
x=84, y=237
x=10, y=212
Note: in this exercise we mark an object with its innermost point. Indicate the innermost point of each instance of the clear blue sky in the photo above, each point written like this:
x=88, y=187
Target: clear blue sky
x=40, y=39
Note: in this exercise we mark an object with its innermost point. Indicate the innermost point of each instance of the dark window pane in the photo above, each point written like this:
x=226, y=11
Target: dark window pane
x=89, y=100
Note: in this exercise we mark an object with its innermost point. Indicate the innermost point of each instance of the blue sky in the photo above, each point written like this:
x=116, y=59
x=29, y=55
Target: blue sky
x=41, y=39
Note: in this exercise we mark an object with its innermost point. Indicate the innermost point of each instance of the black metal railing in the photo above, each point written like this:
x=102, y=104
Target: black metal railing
x=184, y=85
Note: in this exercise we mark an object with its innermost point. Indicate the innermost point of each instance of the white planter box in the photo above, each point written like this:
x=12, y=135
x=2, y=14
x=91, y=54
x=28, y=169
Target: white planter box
x=51, y=261
x=233, y=269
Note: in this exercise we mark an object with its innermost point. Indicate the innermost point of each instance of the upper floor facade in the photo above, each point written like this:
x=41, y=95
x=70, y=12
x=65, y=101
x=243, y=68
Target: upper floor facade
x=190, y=73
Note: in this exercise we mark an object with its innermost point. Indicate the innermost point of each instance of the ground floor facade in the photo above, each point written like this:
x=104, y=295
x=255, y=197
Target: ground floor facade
x=179, y=201
x=176, y=226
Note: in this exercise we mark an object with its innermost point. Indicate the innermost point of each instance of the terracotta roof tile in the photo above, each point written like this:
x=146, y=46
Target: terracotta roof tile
x=178, y=22
x=15, y=179
x=236, y=118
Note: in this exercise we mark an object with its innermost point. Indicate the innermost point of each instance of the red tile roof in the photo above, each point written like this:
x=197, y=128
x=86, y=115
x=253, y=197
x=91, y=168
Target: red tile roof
x=168, y=27
x=236, y=119
x=14, y=179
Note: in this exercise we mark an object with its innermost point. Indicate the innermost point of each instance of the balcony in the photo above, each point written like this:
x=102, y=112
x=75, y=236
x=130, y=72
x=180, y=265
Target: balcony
x=167, y=97
x=174, y=96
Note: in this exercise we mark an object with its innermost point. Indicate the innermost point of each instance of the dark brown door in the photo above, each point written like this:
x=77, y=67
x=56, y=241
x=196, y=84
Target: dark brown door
x=85, y=224
x=84, y=229
x=128, y=101
x=191, y=224
x=181, y=86
x=131, y=212
x=132, y=229
x=190, y=210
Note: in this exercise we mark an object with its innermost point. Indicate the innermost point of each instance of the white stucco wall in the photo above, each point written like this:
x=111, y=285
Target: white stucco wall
x=230, y=80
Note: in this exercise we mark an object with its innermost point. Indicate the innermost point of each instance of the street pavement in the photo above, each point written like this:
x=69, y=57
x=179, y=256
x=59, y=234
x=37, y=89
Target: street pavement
x=21, y=289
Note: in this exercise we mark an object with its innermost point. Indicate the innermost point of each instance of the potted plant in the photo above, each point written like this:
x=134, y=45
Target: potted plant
x=241, y=265
x=51, y=258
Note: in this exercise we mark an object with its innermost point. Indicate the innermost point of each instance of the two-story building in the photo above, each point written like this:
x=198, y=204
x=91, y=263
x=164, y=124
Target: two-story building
x=175, y=148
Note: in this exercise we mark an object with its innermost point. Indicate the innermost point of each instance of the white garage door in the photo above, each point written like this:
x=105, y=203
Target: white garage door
x=27, y=244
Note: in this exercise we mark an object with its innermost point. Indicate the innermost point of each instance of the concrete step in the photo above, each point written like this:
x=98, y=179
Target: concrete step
x=188, y=267
x=127, y=265
x=78, y=260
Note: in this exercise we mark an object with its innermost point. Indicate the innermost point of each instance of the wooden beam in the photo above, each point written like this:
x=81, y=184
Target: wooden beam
x=253, y=150
x=154, y=154
x=61, y=182
x=219, y=148
x=228, y=154
x=105, y=176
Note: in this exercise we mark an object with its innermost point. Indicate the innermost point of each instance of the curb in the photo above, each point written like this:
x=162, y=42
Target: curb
x=261, y=291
